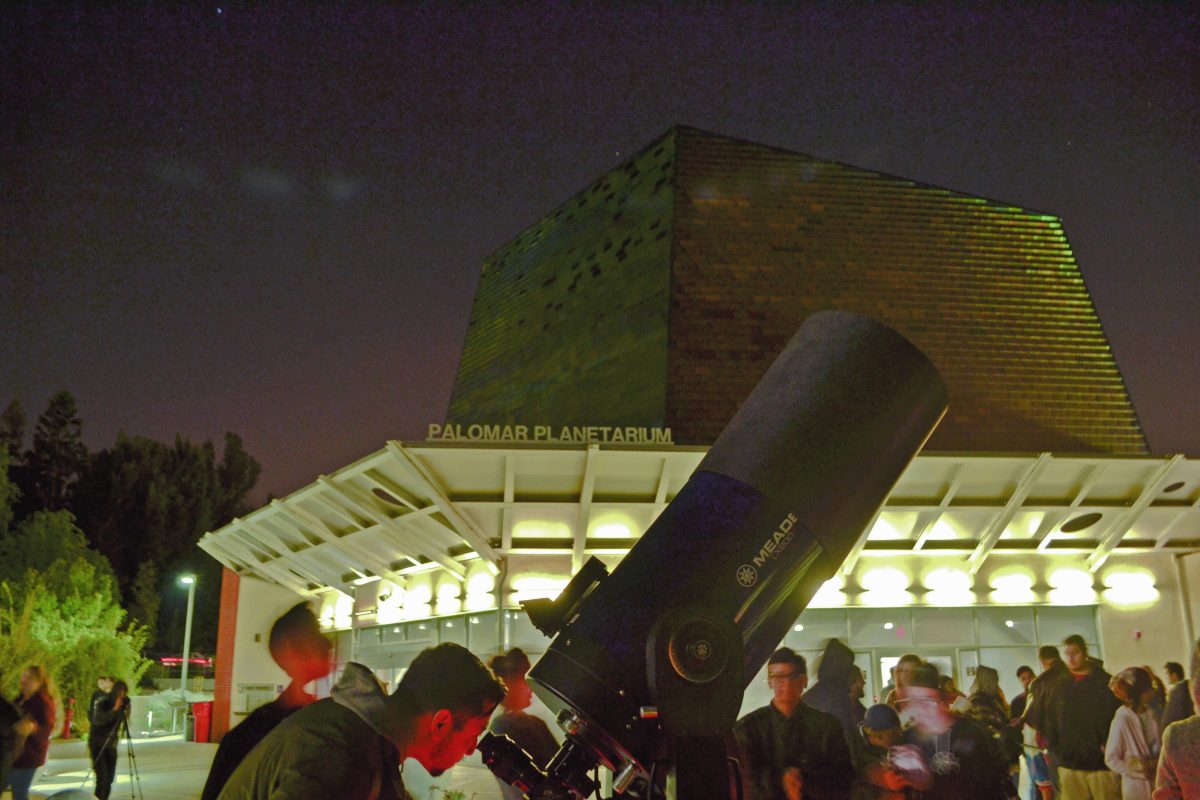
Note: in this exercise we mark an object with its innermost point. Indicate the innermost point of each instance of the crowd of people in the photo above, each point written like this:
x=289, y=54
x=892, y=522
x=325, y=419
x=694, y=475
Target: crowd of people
x=1081, y=733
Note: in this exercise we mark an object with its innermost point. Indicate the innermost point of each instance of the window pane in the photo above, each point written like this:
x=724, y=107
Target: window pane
x=1005, y=660
x=522, y=634
x=1006, y=626
x=453, y=630
x=880, y=627
x=1059, y=622
x=943, y=627
x=819, y=625
x=481, y=634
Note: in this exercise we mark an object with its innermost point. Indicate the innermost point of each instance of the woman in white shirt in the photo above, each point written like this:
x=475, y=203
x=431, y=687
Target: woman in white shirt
x=1134, y=736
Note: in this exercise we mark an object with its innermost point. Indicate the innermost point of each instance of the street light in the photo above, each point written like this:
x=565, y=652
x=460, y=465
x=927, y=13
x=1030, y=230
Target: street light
x=190, y=582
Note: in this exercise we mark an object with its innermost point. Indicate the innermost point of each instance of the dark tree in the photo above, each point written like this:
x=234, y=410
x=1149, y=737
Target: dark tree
x=12, y=430
x=58, y=457
x=237, y=474
x=8, y=493
x=144, y=599
x=145, y=504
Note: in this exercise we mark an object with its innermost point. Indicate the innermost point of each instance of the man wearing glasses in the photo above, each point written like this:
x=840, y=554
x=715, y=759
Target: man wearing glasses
x=789, y=750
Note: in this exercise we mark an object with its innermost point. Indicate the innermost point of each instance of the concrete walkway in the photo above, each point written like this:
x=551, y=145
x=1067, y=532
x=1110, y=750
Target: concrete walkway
x=168, y=767
x=172, y=769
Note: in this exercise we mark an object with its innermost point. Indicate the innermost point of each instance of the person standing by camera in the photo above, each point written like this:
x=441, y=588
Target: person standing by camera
x=108, y=714
x=104, y=685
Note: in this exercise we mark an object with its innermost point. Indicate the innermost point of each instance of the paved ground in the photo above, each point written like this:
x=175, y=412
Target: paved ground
x=172, y=769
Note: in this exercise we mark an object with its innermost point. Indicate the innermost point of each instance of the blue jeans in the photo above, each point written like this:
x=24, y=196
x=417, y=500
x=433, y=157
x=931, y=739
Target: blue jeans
x=20, y=780
x=1040, y=773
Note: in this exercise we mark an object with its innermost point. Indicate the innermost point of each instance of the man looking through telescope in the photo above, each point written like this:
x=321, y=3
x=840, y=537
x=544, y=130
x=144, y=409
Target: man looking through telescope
x=350, y=745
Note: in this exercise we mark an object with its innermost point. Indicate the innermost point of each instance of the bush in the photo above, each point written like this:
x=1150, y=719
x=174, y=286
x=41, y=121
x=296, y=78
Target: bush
x=59, y=608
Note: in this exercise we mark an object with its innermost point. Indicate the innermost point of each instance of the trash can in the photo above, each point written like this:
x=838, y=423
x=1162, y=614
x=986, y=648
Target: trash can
x=189, y=727
x=202, y=712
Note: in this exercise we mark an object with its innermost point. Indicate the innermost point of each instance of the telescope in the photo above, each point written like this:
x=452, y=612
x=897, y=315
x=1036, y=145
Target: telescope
x=648, y=664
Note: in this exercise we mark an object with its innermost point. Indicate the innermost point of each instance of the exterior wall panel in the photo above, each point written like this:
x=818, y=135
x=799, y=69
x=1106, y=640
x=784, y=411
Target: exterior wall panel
x=991, y=292
x=660, y=294
x=569, y=324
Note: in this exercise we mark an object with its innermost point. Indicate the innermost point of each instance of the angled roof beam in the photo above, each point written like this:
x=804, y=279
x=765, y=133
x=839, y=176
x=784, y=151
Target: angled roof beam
x=347, y=495
x=347, y=546
x=291, y=560
x=265, y=536
x=1120, y=526
x=392, y=488
x=461, y=523
x=585, y=508
x=308, y=561
x=856, y=551
x=208, y=543
x=1089, y=480
x=1169, y=528
x=267, y=571
x=928, y=519
x=996, y=527
x=402, y=531
x=1050, y=521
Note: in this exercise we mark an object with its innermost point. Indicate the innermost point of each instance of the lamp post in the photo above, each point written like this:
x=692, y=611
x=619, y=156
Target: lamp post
x=190, y=582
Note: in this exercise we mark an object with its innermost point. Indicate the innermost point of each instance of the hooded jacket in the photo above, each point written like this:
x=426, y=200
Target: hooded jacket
x=349, y=746
x=832, y=691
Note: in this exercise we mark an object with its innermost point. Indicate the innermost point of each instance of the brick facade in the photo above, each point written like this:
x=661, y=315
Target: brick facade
x=660, y=294
x=226, y=632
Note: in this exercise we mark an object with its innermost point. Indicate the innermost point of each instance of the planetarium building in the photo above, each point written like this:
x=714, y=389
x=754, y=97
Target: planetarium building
x=610, y=343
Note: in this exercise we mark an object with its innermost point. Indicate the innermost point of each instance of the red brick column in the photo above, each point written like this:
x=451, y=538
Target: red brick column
x=226, y=630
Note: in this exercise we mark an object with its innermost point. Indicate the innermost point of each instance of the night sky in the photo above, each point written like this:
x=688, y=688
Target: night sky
x=272, y=221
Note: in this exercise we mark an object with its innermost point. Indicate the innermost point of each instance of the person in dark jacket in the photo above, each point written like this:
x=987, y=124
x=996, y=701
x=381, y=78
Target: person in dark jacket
x=789, y=749
x=831, y=694
x=986, y=705
x=961, y=754
x=1025, y=675
x=350, y=745
x=107, y=715
x=1077, y=725
x=1179, y=699
x=302, y=651
x=1041, y=694
x=36, y=704
x=104, y=685
x=1178, y=775
x=529, y=732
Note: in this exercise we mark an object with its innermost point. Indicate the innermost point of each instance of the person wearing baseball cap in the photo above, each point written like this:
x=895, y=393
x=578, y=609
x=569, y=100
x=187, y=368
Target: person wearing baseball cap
x=888, y=767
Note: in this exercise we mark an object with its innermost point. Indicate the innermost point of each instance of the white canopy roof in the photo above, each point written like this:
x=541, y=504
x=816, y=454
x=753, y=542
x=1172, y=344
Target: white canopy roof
x=415, y=507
